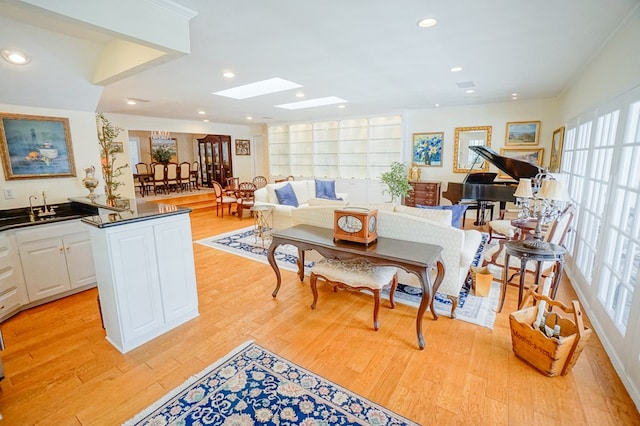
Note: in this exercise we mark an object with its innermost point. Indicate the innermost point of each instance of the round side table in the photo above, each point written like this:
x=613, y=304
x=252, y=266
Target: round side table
x=519, y=249
x=263, y=221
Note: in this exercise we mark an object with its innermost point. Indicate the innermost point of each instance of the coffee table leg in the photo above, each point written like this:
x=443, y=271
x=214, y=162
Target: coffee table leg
x=272, y=261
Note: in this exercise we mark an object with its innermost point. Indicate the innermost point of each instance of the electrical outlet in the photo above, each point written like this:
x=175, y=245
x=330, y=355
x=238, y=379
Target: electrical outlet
x=9, y=194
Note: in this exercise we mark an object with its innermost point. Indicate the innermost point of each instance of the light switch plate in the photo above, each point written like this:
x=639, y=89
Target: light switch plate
x=9, y=194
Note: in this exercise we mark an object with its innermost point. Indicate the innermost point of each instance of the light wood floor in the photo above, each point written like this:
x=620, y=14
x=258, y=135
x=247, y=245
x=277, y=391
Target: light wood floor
x=61, y=371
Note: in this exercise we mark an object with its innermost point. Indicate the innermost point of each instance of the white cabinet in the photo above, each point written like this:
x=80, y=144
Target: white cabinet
x=11, y=280
x=56, y=258
x=146, y=278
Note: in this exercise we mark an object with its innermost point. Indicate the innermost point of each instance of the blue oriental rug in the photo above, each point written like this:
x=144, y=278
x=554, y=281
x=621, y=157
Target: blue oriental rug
x=252, y=386
x=474, y=309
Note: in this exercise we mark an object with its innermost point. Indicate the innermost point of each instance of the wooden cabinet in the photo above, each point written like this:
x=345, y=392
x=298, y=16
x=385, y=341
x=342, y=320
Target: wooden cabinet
x=11, y=280
x=214, y=155
x=424, y=194
x=55, y=258
x=146, y=278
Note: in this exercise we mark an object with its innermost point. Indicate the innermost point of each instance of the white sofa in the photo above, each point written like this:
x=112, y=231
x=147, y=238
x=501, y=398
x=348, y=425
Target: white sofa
x=305, y=191
x=418, y=225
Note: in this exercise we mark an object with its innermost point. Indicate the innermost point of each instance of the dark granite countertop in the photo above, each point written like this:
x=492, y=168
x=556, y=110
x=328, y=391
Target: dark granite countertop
x=20, y=217
x=137, y=211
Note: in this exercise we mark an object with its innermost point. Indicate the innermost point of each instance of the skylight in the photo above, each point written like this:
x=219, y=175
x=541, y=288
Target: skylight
x=329, y=100
x=258, y=88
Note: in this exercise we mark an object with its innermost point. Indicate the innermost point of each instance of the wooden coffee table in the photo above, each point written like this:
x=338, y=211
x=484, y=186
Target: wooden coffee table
x=415, y=258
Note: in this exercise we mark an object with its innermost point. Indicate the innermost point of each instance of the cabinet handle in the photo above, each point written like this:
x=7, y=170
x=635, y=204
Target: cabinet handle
x=68, y=248
x=61, y=249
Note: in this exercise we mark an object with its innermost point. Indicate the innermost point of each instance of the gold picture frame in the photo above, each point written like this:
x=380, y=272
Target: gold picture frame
x=463, y=157
x=530, y=155
x=522, y=133
x=557, y=142
x=35, y=147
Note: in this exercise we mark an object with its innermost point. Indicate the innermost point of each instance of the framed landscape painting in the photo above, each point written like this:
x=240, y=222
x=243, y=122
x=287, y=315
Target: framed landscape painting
x=427, y=149
x=522, y=133
x=530, y=155
x=556, y=150
x=34, y=147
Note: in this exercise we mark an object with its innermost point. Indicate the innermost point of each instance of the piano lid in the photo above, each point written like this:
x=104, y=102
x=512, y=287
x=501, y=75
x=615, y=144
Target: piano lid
x=517, y=169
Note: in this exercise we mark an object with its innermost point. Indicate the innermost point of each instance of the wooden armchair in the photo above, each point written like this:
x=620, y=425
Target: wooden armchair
x=245, y=196
x=556, y=234
x=222, y=199
x=260, y=181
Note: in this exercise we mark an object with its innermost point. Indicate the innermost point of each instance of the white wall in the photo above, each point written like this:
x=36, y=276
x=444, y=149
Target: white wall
x=613, y=71
x=496, y=115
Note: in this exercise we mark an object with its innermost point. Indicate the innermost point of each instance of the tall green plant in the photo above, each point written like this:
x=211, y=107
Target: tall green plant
x=397, y=181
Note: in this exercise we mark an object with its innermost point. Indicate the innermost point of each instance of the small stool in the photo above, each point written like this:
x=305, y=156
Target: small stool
x=355, y=276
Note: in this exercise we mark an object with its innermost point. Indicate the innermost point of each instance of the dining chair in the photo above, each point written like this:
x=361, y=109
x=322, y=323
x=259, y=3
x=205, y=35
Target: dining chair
x=222, y=199
x=260, y=182
x=288, y=178
x=193, y=178
x=245, y=196
x=233, y=183
x=172, y=181
x=142, y=169
x=159, y=182
x=184, y=176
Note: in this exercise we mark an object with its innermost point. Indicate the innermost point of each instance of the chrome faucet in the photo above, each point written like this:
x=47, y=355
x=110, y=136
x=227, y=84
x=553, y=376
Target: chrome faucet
x=46, y=210
x=32, y=215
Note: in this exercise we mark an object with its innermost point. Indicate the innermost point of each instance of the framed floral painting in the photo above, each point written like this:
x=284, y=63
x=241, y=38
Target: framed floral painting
x=427, y=149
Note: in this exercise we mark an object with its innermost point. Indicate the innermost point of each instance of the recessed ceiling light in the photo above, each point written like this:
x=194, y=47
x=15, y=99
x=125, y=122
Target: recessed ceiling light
x=131, y=102
x=258, y=88
x=470, y=91
x=249, y=117
x=455, y=69
x=206, y=120
x=329, y=100
x=342, y=106
x=299, y=95
x=514, y=94
x=436, y=105
x=427, y=22
x=15, y=56
x=228, y=74
x=201, y=112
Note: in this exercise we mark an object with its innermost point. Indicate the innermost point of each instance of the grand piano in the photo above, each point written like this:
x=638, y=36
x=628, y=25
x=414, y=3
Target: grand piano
x=482, y=188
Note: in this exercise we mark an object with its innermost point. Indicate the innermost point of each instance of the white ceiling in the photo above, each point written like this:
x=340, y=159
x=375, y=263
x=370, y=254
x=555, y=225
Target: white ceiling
x=369, y=52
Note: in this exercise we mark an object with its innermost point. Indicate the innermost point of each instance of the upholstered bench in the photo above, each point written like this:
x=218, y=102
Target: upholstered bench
x=355, y=276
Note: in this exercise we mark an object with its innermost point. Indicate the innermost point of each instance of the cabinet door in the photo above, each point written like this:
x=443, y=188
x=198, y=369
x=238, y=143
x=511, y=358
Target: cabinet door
x=79, y=260
x=136, y=287
x=176, y=271
x=44, y=267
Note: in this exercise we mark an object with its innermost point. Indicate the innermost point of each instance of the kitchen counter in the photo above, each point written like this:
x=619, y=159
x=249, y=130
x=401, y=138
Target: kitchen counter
x=126, y=211
x=20, y=218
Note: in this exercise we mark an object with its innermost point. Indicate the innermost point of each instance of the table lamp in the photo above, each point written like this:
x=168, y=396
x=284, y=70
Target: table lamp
x=544, y=201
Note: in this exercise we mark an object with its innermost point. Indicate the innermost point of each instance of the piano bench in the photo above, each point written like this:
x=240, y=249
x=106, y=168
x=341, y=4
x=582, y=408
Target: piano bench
x=481, y=208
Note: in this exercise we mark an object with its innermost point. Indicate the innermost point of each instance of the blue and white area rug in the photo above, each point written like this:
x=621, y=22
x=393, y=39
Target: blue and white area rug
x=474, y=309
x=252, y=386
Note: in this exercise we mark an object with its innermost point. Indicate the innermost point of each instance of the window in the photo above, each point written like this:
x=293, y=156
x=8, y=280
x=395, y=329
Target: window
x=358, y=148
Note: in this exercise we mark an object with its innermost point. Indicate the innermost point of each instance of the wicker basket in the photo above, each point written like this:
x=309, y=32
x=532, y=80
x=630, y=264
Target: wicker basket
x=549, y=355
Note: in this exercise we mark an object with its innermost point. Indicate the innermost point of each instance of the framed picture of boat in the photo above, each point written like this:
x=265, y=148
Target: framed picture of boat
x=34, y=147
x=530, y=155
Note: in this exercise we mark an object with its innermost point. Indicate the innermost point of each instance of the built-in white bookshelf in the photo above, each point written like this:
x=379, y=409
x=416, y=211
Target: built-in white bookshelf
x=360, y=148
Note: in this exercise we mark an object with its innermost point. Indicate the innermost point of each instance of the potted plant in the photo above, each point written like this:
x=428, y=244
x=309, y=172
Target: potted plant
x=397, y=181
x=107, y=132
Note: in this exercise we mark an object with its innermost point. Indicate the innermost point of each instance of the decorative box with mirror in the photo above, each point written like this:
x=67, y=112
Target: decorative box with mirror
x=355, y=224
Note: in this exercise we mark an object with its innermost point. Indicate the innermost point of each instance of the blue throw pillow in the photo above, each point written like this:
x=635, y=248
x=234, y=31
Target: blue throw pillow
x=457, y=212
x=286, y=195
x=326, y=189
